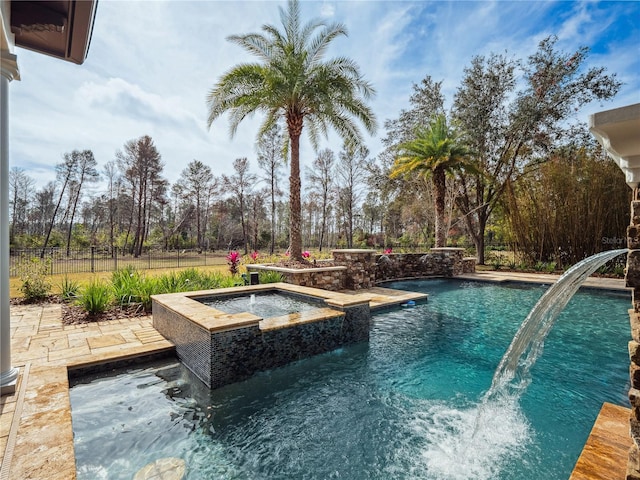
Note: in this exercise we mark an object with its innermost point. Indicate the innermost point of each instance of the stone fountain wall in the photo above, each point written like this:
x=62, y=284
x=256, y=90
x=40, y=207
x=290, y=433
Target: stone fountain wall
x=439, y=262
x=633, y=280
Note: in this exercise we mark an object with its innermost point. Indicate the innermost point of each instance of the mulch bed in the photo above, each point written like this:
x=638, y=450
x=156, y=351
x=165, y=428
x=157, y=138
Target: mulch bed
x=74, y=314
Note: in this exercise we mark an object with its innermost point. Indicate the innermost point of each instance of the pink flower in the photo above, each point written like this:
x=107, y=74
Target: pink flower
x=233, y=259
x=306, y=254
x=388, y=250
x=254, y=256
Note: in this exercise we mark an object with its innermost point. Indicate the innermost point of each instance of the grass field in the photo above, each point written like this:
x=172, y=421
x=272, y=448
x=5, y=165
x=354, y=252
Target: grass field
x=85, y=278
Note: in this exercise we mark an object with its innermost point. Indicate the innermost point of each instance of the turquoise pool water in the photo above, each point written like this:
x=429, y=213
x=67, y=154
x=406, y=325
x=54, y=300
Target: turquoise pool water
x=403, y=406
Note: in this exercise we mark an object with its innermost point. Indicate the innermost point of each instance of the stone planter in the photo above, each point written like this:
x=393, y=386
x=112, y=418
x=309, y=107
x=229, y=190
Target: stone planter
x=327, y=278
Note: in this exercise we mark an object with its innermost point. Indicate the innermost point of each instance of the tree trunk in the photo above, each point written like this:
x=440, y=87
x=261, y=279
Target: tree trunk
x=294, y=124
x=479, y=240
x=440, y=190
x=273, y=215
x=53, y=219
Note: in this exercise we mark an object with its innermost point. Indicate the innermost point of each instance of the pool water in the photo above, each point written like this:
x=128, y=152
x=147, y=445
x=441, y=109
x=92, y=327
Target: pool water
x=264, y=305
x=403, y=406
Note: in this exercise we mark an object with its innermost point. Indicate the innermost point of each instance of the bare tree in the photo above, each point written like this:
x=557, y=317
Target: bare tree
x=42, y=209
x=271, y=159
x=65, y=172
x=113, y=186
x=21, y=186
x=241, y=185
x=321, y=183
x=194, y=187
x=86, y=171
x=257, y=214
x=142, y=167
x=351, y=174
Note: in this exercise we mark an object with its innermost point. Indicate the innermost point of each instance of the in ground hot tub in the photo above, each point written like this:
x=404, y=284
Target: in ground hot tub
x=220, y=338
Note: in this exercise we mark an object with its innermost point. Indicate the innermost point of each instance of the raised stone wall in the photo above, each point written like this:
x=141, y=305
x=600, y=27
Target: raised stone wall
x=439, y=262
x=326, y=278
x=633, y=280
x=356, y=269
x=360, y=267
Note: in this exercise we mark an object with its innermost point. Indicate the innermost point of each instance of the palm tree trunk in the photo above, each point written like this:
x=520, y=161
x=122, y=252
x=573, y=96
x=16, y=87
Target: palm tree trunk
x=294, y=124
x=440, y=187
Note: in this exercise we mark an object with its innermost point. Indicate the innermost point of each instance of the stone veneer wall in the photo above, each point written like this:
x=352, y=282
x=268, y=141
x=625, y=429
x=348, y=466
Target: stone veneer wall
x=633, y=280
x=441, y=262
x=361, y=267
x=331, y=279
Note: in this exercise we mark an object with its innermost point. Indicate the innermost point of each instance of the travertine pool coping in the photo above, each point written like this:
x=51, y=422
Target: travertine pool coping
x=36, y=437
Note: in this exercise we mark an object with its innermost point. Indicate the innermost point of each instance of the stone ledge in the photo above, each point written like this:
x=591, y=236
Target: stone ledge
x=300, y=318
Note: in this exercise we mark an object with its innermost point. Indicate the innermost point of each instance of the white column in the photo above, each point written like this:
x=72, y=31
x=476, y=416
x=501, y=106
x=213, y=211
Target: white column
x=8, y=374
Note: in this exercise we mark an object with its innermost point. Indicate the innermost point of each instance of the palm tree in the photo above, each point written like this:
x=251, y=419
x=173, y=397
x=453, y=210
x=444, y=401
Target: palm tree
x=293, y=83
x=434, y=151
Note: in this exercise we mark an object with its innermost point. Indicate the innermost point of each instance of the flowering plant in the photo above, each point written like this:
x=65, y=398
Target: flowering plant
x=387, y=251
x=254, y=255
x=233, y=259
x=306, y=254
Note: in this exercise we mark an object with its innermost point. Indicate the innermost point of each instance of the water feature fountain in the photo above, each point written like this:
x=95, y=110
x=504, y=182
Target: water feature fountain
x=512, y=373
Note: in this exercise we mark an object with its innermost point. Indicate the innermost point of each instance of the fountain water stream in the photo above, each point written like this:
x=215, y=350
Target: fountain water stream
x=513, y=373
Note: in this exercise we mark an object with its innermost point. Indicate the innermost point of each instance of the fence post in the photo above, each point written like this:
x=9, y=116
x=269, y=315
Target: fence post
x=149, y=256
x=51, y=257
x=178, y=250
x=93, y=254
x=115, y=259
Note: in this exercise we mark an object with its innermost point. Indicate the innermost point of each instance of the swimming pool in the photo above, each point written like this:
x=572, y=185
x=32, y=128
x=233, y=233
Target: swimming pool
x=402, y=406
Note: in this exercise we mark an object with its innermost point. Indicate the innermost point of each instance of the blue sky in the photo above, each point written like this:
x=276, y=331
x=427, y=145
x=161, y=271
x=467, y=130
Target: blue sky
x=151, y=64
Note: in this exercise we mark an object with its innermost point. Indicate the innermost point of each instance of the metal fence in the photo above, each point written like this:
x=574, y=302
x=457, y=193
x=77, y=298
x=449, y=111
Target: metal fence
x=96, y=259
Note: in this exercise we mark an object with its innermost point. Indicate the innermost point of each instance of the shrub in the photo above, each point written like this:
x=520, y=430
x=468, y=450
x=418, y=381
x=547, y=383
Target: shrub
x=125, y=283
x=211, y=280
x=69, y=290
x=32, y=273
x=170, y=283
x=95, y=297
x=539, y=266
x=270, y=276
x=146, y=287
